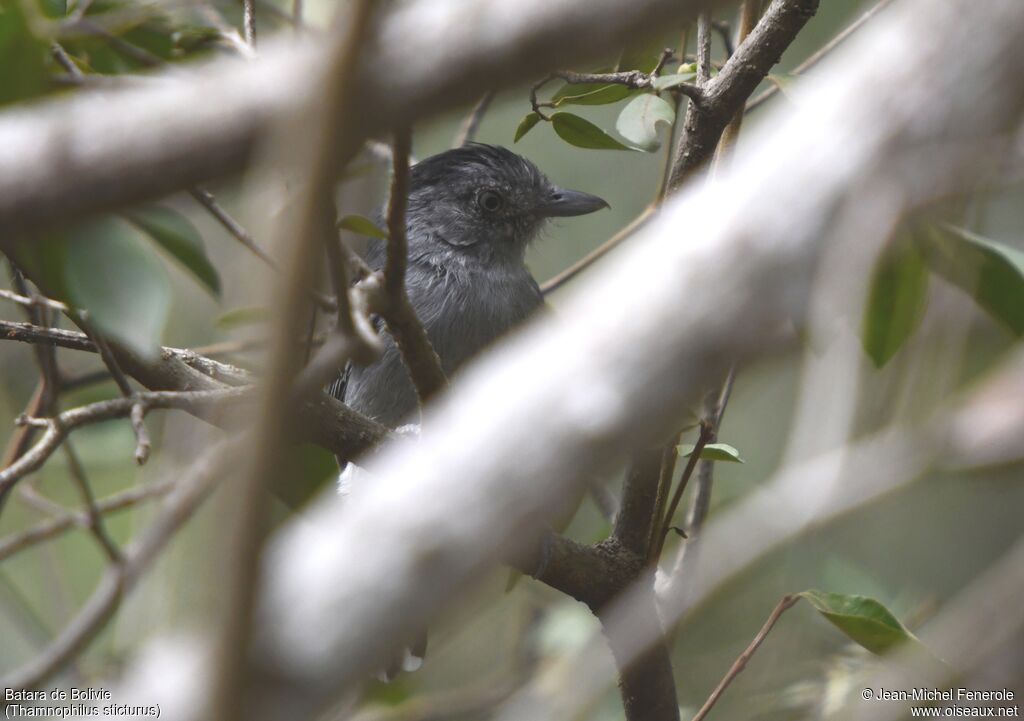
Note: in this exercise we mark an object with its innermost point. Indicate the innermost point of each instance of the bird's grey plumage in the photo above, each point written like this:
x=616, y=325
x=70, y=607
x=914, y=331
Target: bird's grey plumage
x=472, y=213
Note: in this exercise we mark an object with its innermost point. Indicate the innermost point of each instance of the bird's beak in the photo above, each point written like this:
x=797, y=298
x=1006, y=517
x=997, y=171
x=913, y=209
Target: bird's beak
x=562, y=203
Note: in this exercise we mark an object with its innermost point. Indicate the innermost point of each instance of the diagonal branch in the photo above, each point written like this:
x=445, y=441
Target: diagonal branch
x=321, y=419
x=726, y=93
x=56, y=429
x=53, y=527
x=204, y=122
x=120, y=578
x=411, y=338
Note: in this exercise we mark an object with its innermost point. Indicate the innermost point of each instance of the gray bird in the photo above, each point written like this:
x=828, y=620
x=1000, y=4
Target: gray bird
x=472, y=213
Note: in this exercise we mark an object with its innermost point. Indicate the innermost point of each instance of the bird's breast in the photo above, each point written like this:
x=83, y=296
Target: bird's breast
x=465, y=309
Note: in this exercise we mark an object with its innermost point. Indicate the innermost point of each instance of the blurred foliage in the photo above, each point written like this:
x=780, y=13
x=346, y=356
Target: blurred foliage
x=23, y=72
x=896, y=301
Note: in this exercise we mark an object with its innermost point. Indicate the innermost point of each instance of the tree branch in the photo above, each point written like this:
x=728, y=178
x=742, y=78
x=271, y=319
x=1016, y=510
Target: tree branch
x=56, y=429
x=204, y=122
x=744, y=658
x=726, y=93
x=321, y=419
x=471, y=125
x=411, y=338
x=53, y=527
x=719, y=102
x=821, y=53
x=120, y=578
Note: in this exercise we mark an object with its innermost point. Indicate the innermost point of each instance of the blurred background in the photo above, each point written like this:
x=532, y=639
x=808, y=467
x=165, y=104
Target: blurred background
x=912, y=551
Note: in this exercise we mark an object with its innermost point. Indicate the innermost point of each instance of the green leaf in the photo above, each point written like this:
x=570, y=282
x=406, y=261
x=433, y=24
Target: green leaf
x=23, y=56
x=584, y=134
x=104, y=266
x=713, y=452
x=245, y=315
x=895, y=304
x=591, y=94
x=863, y=620
x=361, y=225
x=990, y=272
x=526, y=125
x=173, y=232
x=638, y=121
x=670, y=81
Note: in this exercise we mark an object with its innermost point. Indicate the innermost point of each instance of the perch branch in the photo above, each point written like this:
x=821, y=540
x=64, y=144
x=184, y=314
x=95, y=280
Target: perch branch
x=411, y=338
x=744, y=658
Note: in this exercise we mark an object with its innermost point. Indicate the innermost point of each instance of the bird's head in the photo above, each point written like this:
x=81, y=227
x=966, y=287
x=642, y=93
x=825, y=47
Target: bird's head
x=485, y=200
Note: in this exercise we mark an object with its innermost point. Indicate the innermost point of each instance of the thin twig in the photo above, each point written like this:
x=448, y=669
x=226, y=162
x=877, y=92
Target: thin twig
x=691, y=463
x=249, y=22
x=634, y=79
x=472, y=122
x=674, y=134
x=31, y=497
x=234, y=228
x=557, y=281
x=128, y=49
x=64, y=60
x=725, y=33
x=36, y=301
x=67, y=520
x=44, y=399
x=669, y=457
x=398, y=244
x=194, y=358
x=94, y=518
x=106, y=354
x=821, y=52
x=787, y=602
x=750, y=13
x=422, y=362
x=725, y=94
x=56, y=429
x=179, y=506
x=705, y=475
x=138, y=412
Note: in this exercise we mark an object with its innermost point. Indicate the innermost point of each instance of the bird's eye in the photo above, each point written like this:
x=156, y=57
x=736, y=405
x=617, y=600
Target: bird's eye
x=489, y=200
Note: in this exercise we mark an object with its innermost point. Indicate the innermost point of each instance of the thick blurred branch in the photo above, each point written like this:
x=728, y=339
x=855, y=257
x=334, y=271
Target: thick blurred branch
x=821, y=53
x=315, y=143
x=204, y=122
